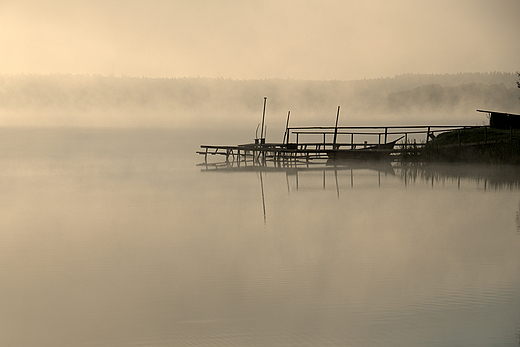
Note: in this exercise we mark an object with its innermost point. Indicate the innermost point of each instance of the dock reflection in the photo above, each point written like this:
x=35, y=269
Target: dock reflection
x=344, y=176
x=481, y=176
x=294, y=170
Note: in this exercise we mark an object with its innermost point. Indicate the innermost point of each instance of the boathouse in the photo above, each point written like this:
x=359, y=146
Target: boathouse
x=502, y=120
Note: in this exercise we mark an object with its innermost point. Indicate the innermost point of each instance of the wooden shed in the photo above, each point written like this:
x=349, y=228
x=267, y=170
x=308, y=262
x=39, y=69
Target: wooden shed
x=503, y=120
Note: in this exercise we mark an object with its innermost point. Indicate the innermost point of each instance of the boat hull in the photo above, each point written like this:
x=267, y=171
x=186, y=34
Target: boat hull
x=375, y=152
x=345, y=154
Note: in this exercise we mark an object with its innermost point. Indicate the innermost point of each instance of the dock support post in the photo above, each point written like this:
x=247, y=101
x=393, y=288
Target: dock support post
x=286, y=135
x=263, y=117
x=228, y=153
x=405, y=148
x=386, y=133
x=336, y=130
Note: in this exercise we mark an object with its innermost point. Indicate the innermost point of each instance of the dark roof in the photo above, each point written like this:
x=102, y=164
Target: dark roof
x=502, y=113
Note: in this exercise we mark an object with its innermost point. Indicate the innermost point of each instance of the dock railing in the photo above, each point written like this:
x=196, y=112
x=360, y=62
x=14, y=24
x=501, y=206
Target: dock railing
x=362, y=136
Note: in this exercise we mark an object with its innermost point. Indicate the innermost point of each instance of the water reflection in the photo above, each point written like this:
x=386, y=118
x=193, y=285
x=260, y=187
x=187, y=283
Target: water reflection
x=120, y=240
x=484, y=177
x=343, y=176
x=518, y=219
x=423, y=255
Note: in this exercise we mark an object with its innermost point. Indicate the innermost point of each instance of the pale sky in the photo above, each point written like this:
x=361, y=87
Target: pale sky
x=257, y=39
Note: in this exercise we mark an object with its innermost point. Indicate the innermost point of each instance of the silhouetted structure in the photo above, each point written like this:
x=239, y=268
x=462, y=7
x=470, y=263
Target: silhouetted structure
x=502, y=120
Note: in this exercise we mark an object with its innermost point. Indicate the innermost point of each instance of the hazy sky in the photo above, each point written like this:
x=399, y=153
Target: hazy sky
x=256, y=39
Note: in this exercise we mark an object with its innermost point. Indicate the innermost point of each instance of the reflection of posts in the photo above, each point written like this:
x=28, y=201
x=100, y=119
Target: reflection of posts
x=263, y=198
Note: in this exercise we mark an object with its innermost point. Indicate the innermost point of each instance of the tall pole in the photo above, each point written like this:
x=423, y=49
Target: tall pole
x=336, y=130
x=263, y=118
x=285, y=136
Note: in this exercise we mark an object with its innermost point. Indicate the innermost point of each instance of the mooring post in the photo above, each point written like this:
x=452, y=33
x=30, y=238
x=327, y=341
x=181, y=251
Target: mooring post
x=428, y=135
x=286, y=135
x=335, y=131
x=386, y=133
x=262, y=140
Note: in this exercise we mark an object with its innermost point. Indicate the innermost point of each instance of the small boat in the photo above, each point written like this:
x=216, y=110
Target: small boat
x=372, y=152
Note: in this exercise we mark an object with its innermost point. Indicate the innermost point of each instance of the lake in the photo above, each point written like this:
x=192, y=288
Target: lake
x=116, y=237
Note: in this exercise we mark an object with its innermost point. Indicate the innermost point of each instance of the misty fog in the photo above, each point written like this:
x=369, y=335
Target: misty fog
x=99, y=101
x=115, y=232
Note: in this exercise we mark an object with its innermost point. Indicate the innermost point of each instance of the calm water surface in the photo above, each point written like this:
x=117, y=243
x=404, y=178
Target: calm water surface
x=117, y=238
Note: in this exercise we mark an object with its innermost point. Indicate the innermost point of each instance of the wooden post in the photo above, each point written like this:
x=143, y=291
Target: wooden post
x=352, y=141
x=263, y=118
x=386, y=133
x=405, y=148
x=286, y=135
x=336, y=130
x=428, y=135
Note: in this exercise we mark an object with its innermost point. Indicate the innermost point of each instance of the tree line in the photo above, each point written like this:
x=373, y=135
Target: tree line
x=218, y=98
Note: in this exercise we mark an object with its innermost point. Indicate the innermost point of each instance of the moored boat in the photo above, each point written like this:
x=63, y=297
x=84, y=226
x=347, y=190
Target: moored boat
x=372, y=152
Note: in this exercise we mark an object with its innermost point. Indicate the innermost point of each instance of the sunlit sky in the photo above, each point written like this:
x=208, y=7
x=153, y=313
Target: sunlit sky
x=246, y=39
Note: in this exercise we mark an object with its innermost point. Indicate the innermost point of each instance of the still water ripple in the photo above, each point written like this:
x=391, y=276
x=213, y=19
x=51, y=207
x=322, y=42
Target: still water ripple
x=116, y=238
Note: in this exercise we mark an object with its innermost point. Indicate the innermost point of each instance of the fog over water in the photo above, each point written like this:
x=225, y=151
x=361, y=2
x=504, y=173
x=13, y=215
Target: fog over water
x=108, y=101
x=168, y=63
x=114, y=232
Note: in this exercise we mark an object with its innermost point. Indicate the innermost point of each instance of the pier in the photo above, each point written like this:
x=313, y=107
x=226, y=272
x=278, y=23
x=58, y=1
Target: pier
x=316, y=144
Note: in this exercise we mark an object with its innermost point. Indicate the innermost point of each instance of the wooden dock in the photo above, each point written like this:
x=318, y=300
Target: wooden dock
x=306, y=144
